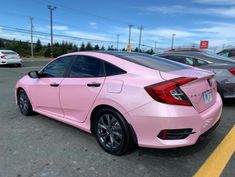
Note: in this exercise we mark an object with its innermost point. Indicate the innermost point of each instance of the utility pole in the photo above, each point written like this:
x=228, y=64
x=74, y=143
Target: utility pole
x=140, y=36
x=51, y=8
x=172, y=41
x=129, y=39
x=155, y=48
x=31, y=33
x=117, y=40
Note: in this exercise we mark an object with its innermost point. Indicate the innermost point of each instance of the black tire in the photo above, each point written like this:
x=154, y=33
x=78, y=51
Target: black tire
x=113, y=135
x=19, y=65
x=24, y=103
x=220, y=92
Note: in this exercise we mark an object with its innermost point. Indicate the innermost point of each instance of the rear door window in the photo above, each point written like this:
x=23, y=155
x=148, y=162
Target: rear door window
x=86, y=66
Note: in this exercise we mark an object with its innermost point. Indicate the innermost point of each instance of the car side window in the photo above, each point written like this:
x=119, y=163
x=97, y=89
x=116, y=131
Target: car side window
x=184, y=60
x=232, y=53
x=86, y=66
x=189, y=61
x=201, y=62
x=224, y=54
x=112, y=70
x=57, y=68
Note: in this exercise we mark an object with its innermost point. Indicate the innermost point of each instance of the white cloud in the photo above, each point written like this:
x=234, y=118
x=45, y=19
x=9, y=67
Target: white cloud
x=93, y=25
x=216, y=2
x=60, y=28
x=167, y=33
x=80, y=34
x=180, y=9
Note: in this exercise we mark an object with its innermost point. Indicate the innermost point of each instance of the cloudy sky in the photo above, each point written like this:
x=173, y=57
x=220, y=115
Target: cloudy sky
x=190, y=20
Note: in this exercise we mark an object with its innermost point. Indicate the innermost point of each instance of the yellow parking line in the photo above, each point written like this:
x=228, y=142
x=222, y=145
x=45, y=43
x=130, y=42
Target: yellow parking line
x=214, y=165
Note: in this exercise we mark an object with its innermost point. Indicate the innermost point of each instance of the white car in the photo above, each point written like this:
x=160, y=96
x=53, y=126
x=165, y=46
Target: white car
x=9, y=57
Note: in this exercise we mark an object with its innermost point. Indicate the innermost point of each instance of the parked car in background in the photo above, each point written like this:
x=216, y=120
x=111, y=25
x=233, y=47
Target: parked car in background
x=9, y=57
x=124, y=98
x=223, y=67
x=227, y=53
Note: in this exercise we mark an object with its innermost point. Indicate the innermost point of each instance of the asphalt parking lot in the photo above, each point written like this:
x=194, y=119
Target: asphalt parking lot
x=39, y=146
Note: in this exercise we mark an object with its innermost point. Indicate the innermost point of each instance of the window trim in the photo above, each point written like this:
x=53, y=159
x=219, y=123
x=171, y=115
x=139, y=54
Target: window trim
x=54, y=60
x=124, y=71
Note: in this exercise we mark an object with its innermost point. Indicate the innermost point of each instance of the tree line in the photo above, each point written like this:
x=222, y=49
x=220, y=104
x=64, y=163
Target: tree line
x=24, y=48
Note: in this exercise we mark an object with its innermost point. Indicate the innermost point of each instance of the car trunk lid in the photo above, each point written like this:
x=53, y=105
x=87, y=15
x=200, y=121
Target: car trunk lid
x=201, y=92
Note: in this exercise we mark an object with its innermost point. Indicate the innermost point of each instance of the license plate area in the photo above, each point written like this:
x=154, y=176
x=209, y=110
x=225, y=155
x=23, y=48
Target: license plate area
x=207, y=96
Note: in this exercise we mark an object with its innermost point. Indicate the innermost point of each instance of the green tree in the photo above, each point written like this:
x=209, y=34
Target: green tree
x=89, y=46
x=136, y=49
x=96, y=47
x=1, y=44
x=110, y=47
x=102, y=48
x=38, y=46
x=82, y=47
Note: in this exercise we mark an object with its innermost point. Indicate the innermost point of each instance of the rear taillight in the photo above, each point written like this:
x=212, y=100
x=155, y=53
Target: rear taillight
x=3, y=57
x=232, y=70
x=169, y=91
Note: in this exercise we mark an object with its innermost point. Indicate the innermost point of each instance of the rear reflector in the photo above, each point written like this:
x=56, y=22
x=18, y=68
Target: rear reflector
x=169, y=91
x=232, y=70
x=175, y=134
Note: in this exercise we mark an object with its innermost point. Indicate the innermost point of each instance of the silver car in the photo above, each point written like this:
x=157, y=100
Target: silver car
x=223, y=67
x=9, y=57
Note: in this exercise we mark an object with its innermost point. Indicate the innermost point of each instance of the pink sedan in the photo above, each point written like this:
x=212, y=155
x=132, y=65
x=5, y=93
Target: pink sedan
x=124, y=98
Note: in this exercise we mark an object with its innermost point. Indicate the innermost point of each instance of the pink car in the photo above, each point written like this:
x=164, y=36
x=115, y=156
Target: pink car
x=124, y=98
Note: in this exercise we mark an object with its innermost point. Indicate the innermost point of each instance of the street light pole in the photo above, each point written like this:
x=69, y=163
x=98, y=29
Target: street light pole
x=172, y=41
x=140, y=36
x=129, y=39
x=51, y=8
x=155, y=48
x=31, y=34
x=117, y=40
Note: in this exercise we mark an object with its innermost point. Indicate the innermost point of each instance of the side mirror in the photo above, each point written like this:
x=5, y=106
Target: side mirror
x=33, y=74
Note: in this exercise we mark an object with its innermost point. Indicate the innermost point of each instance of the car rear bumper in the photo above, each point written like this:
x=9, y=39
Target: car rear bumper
x=10, y=61
x=149, y=120
x=228, y=89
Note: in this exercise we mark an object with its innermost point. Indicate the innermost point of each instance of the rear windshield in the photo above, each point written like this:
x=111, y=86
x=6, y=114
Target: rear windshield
x=9, y=53
x=151, y=61
x=219, y=57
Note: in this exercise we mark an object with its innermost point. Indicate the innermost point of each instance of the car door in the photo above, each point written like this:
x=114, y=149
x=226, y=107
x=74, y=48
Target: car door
x=45, y=90
x=80, y=88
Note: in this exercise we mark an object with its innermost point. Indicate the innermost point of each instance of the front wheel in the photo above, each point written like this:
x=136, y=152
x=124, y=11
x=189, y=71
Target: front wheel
x=24, y=103
x=112, y=131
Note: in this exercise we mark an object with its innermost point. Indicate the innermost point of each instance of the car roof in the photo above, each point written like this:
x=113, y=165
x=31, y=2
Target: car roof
x=7, y=51
x=141, y=59
x=202, y=55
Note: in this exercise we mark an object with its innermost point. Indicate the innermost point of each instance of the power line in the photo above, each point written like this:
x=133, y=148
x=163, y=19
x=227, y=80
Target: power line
x=44, y=35
x=82, y=11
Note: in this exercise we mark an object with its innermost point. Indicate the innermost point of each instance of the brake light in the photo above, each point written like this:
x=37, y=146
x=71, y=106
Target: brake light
x=3, y=57
x=232, y=70
x=169, y=91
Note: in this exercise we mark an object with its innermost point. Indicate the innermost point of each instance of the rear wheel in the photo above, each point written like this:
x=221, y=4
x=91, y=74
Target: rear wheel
x=112, y=131
x=24, y=103
x=19, y=65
